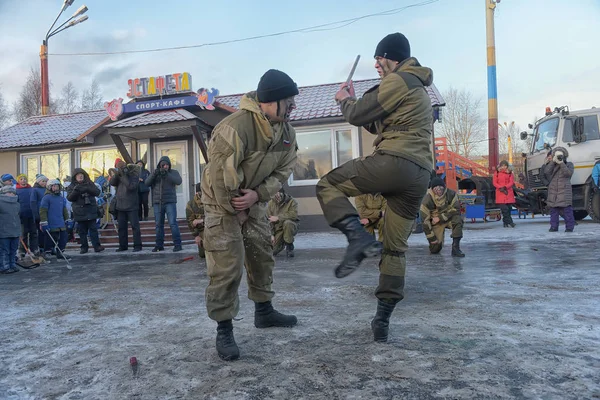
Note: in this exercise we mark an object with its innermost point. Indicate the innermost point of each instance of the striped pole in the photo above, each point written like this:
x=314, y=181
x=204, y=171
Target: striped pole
x=490, y=6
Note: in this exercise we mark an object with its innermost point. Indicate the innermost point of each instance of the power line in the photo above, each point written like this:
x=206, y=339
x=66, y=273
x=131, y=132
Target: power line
x=317, y=28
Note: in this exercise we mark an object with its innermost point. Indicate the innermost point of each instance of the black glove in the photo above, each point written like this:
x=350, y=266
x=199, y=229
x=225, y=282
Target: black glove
x=163, y=172
x=503, y=190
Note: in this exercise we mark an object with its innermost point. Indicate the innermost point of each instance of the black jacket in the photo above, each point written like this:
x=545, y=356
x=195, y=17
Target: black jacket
x=163, y=183
x=127, y=181
x=83, y=197
x=144, y=174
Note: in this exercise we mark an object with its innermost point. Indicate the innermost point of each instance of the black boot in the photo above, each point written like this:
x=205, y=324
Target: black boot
x=265, y=316
x=289, y=249
x=456, y=251
x=226, y=346
x=381, y=322
x=360, y=245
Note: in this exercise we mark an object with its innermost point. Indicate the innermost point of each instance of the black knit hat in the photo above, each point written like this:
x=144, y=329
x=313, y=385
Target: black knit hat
x=437, y=181
x=275, y=85
x=394, y=47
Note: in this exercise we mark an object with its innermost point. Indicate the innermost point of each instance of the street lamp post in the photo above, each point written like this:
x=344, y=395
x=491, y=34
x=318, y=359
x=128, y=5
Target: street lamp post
x=44, y=48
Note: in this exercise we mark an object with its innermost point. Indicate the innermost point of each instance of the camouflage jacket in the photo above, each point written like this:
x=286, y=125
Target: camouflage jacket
x=445, y=212
x=247, y=151
x=370, y=206
x=286, y=210
x=195, y=210
x=399, y=112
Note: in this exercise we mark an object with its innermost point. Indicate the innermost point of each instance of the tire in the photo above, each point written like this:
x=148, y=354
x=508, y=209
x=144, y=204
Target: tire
x=579, y=214
x=593, y=206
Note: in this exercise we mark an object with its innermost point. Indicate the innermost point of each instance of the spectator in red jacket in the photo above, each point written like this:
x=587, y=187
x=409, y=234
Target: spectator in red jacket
x=505, y=195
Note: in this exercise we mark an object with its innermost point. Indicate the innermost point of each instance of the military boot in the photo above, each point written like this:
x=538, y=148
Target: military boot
x=289, y=249
x=226, y=346
x=456, y=251
x=360, y=245
x=265, y=316
x=381, y=322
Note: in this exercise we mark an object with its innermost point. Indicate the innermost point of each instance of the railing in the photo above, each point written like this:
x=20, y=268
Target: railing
x=453, y=167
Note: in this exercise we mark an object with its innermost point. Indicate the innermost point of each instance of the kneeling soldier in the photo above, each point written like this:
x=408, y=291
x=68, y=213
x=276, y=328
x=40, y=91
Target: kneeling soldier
x=194, y=214
x=283, y=215
x=371, y=209
x=440, y=210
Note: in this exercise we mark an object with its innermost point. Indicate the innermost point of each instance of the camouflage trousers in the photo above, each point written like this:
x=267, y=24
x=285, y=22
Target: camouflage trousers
x=455, y=223
x=371, y=226
x=403, y=184
x=284, y=233
x=231, y=246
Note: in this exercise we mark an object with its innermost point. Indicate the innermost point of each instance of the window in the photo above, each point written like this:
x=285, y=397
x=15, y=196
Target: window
x=568, y=129
x=143, y=152
x=545, y=134
x=321, y=151
x=52, y=165
x=590, y=127
x=97, y=162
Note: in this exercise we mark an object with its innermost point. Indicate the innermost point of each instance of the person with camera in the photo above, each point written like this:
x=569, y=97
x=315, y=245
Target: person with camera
x=556, y=175
x=126, y=179
x=164, y=182
x=82, y=194
x=505, y=196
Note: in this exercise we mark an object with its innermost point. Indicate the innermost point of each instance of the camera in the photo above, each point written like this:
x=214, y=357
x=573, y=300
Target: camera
x=86, y=199
x=559, y=157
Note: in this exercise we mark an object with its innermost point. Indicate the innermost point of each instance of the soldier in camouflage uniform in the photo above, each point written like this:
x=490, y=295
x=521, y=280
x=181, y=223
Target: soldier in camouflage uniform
x=440, y=210
x=252, y=153
x=282, y=211
x=371, y=209
x=399, y=112
x=194, y=214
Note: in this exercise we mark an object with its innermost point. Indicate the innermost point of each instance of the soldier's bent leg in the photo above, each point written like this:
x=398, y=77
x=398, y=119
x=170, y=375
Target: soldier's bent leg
x=224, y=249
x=290, y=228
x=278, y=244
x=456, y=224
x=439, y=232
x=259, y=267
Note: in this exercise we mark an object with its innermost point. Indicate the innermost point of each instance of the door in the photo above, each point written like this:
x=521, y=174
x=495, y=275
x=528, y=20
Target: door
x=177, y=153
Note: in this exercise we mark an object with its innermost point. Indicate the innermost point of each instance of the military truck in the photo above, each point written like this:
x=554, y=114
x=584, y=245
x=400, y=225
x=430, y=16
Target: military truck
x=579, y=133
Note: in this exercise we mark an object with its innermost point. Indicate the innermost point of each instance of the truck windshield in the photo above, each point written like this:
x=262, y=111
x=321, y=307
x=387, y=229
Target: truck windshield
x=545, y=134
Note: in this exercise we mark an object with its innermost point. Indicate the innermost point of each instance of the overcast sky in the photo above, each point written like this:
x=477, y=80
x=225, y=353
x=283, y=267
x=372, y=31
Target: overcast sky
x=547, y=51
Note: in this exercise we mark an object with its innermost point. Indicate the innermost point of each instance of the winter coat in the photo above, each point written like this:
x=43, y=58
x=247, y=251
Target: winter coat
x=83, y=197
x=24, y=196
x=9, y=215
x=164, y=184
x=195, y=210
x=144, y=174
x=53, y=210
x=246, y=151
x=36, y=200
x=504, y=179
x=596, y=174
x=370, y=206
x=448, y=208
x=399, y=112
x=286, y=209
x=126, y=181
x=557, y=177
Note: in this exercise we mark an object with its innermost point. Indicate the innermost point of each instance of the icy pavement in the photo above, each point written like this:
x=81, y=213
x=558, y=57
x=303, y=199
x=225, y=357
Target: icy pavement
x=518, y=318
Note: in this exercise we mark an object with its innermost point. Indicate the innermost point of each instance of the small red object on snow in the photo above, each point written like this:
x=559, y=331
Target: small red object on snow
x=133, y=361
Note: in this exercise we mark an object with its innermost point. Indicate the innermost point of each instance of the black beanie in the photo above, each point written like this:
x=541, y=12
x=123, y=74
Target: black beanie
x=394, y=47
x=275, y=85
x=437, y=181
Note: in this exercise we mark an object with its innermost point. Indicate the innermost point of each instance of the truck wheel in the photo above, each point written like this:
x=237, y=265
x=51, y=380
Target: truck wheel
x=580, y=214
x=593, y=206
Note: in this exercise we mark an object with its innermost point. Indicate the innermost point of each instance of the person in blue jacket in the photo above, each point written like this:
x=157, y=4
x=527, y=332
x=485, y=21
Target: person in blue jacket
x=39, y=190
x=29, y=231
x=54, y=218
x=596, y=174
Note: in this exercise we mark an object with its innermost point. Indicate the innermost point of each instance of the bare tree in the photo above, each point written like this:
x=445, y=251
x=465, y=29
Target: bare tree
x=462, y=123
x=91, y=99
x=29, y=102
x=69, y=99
x=4, y=113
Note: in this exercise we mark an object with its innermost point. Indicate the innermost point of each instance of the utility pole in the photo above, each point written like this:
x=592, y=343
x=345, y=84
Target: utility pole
x=490, y=6
x=45, y=82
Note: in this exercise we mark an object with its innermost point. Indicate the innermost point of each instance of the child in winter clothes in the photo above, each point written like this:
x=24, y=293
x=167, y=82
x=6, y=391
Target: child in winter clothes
x=505, y=195
x=10, y=229
x=29, y=231
x=53, y=216
x=8, y=180
x=37, y=194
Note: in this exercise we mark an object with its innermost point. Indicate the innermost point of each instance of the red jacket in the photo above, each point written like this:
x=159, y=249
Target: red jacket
x=504, y=180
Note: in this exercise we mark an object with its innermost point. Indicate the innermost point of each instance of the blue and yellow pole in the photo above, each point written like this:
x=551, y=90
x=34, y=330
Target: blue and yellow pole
x=490, y=6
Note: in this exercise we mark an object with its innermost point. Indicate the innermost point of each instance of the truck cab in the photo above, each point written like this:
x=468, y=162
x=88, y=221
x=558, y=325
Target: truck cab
x=579, y=133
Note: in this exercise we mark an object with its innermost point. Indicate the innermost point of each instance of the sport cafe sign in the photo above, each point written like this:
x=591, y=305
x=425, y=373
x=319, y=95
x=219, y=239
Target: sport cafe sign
x=160, y=85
